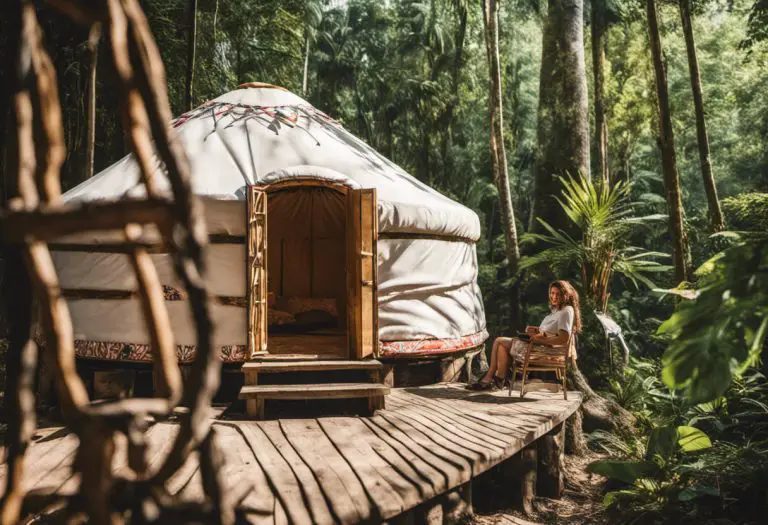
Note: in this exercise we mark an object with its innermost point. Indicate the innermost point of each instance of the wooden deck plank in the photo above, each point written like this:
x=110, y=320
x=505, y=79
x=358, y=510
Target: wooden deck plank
x=242, y=467
x=432, y=436
x=52, y=465
x=484, y=442
x=447, y=412
x=410, y=485
x=428, y=480
x=347, y=496
x=384, y=486
x=282, y=480
x=342, y=469
x=318, y=506
x=424, y=453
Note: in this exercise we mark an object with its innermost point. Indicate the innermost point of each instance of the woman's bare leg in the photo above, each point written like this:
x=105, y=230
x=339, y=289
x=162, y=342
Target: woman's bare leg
x=492, y=361
x=502, y=363
x=499, y=358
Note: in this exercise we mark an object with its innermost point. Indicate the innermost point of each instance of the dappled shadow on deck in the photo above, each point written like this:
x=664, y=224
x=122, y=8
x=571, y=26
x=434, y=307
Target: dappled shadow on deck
x=343, y=469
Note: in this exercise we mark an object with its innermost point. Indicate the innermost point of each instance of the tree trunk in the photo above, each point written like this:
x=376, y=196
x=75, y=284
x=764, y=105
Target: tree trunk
x=598, y=68
x=191, y=38
x=680, y=253
x=563, y=115
x=598, y=412
x=306, y=64
x=90, y=146
x=499, y=154
x=715, y=213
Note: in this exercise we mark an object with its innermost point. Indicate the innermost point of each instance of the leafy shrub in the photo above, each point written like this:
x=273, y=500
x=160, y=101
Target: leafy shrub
x=748, y=211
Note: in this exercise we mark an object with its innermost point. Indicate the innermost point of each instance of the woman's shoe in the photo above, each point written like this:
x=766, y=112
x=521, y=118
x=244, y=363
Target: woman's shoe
x=496, y=383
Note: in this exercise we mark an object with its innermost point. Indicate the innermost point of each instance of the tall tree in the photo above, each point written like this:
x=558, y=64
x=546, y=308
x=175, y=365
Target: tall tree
x=715, y=213
x=313, y=14
x=498, y=151
x=90, y=146
x=680, y=252
x=563, y=127
x=191, y=41
x=598, y=27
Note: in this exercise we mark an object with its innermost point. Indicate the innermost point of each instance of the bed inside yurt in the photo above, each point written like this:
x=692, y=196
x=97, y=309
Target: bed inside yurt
x=319, y=247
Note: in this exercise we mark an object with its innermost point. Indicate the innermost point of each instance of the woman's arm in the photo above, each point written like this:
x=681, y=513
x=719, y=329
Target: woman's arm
x=551, y=340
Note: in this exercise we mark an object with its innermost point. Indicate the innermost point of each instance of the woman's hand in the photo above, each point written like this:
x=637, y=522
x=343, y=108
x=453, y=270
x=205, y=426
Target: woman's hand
x=531, y=330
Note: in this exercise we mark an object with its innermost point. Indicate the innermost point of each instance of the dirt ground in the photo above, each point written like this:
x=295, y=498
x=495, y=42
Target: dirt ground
x=580, y=504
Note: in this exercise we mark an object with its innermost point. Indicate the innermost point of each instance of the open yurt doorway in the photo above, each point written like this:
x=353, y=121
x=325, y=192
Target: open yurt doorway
x=320, y=270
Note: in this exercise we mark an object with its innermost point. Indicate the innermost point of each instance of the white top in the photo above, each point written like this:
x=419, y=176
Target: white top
x=558, y=320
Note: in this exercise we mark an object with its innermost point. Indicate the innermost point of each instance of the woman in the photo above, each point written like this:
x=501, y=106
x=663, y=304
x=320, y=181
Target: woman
x=554, y=330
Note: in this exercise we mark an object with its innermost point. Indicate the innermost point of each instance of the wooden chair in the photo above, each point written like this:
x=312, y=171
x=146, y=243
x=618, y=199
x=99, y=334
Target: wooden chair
x=544, y=359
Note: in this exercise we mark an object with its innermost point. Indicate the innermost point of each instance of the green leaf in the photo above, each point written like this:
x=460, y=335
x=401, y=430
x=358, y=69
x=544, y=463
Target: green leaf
x=662, y=442
x=696, y=491
x=691, y=439
x=626, y=471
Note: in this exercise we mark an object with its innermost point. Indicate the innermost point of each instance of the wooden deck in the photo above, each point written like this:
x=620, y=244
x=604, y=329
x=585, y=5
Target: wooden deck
x=346, y=469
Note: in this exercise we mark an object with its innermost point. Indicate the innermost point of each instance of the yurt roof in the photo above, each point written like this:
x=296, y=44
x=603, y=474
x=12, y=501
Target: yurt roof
x=259, y=135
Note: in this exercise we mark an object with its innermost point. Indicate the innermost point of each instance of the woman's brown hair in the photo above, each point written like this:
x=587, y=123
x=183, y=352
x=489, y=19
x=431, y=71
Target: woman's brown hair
x=569, y=297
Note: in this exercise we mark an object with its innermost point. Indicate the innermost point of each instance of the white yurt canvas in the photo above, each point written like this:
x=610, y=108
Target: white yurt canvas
x=428, y=297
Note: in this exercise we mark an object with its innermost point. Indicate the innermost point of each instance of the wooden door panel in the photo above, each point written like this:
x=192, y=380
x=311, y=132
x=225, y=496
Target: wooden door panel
x=362, y=235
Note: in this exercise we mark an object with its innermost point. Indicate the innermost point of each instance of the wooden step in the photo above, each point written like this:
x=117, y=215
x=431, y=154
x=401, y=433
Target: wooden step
x=266, y=367
x=314, y=391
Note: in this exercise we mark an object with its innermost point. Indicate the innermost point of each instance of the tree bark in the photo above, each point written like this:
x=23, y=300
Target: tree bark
x=680, y=253
x=499, y=154
x=90, y=146
x=306, y=64
x=191, y=40
x=598, y=69
x=598, y=412
x=563, y=115
x=715, y=213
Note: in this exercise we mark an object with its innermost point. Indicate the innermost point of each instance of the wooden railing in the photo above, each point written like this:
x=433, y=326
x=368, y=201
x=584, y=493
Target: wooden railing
x=35, y=216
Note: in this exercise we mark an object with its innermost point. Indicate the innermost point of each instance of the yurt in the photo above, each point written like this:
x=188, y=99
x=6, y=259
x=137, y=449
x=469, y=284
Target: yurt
x=319, y=245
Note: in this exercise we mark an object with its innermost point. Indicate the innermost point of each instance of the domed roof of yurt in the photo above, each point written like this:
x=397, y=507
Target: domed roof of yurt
x=259, y=134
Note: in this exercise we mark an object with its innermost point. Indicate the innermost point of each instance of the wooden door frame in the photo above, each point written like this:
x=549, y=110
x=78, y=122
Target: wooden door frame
x=253, y=301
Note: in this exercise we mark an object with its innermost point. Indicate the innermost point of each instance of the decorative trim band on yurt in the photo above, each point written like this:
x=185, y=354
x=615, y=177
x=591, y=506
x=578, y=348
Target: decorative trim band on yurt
x=431, y=346
x=142, y=353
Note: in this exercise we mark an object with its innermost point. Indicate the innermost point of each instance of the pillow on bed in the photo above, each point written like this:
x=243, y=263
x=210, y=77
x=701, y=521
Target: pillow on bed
x=278, y=317
x=296, y=305
x=315, y=319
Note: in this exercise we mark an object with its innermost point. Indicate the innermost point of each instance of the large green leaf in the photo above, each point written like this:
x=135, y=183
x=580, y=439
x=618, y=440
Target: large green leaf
x=697, y=491
x=626, y=471
x=691, y=439
x=662, y=442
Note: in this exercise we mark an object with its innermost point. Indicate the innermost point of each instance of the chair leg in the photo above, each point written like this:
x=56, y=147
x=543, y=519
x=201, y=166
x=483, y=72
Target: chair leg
x=565, y=386
x=514, y=375
x=522, y=382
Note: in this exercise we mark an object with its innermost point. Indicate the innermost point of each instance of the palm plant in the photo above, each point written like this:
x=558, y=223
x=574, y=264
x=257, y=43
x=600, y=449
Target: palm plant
x=604, y=217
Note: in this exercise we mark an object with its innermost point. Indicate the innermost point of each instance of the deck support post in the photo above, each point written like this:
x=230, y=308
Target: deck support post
x=388, y=375
x=375, y=403
x=254, y=407
x=521, y=471
x=449, y=508
x=457, y=503
x=551, y=449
